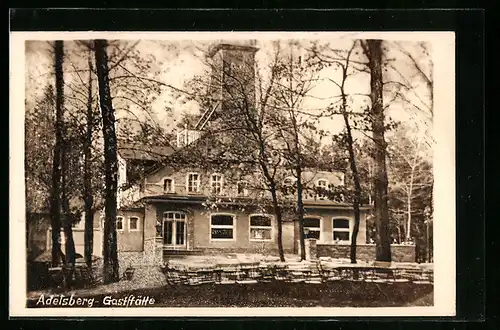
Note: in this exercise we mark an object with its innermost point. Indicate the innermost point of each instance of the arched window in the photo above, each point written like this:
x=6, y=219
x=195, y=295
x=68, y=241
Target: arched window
x=341, y=230
x=168, y=186
x=260, y=227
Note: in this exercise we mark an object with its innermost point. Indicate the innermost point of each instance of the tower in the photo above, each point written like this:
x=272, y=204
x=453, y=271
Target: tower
x=233, y=78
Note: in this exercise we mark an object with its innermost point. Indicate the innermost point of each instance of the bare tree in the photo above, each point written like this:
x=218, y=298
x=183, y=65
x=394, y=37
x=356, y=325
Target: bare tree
x=110, y=255
x=373, y=51
x=56, y=165
x=293, y=125
x=352, y=158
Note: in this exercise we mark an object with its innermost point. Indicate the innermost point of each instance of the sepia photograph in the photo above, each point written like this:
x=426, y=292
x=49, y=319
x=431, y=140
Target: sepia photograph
x=269, y=173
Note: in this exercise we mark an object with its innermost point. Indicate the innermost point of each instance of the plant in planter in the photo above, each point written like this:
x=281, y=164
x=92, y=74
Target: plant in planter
x=129, y=272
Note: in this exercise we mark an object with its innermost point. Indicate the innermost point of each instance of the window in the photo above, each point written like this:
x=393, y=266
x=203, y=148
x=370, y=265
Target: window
x=312, y=228
x=289, y=185
x=341, y=230
x=119, y=223
x=322, y=187
x=260, y=228
x=168, y=186
x=216, y=183
x=193, y=183
x=133, y=224
x=242, y=188
x=222, y=227
x=174, y=229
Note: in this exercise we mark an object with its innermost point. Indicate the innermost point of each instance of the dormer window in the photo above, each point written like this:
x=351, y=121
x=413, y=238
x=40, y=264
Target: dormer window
x=322, y=188
x=289, y=185
x=168, y=186
x=216, y=183
x=193, y=183
x=242, y=188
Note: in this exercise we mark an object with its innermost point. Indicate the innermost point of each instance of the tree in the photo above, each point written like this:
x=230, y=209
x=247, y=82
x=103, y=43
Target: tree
x=343, y=60
x=87, y=172
x=373, y=51
x=243, y=130
x=296, y=128
x=56, y=164
x=110, y=256
x=349, y=144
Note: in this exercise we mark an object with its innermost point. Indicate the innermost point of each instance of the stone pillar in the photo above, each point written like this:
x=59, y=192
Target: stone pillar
x=152, y=248
x=311, y=249
x=158, y=253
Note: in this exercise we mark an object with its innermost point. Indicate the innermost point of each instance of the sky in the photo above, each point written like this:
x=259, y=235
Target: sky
x=177, y=61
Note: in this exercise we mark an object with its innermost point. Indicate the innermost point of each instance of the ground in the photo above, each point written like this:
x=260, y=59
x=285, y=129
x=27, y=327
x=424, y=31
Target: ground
x=151, y=281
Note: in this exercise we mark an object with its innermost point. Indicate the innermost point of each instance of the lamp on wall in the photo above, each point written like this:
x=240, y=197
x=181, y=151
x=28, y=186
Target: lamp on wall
x=158, y=229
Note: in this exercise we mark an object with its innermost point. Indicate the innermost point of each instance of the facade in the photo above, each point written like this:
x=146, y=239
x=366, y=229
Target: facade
x=176, y=210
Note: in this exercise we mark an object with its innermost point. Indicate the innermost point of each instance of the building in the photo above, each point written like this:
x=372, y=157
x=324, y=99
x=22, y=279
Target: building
x=191, y=210
x=171, y=209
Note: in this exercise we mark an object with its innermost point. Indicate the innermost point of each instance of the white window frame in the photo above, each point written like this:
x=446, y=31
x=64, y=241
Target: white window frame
x=116, y=224
x=138, y=223
x=233, y=227
x=173, y=185
x=198, y=183
x=174, y=228
x=318, y=186
x=341, y=229
x=212, y=182
x=315, y=228
x=250, y=227
x=245, y=189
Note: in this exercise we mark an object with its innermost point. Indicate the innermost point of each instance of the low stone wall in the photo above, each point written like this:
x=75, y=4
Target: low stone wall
x=266, y=251
x=294, y=272
x=366, y=252
x=152, y=255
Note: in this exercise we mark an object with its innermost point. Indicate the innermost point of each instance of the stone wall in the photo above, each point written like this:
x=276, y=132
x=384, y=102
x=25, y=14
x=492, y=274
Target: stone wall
x=366, y=252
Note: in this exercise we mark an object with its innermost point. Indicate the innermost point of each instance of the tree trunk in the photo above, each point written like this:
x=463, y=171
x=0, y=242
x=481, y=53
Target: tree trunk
x=357, y=186
x=408, y=219
x=55, y=200
x=87, y=176
x=383, y=244
x=110, y=255
x=300, y=212
x=279, y=222
x=69, y=244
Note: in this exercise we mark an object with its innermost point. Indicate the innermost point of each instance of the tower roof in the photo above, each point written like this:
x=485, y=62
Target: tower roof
x=231, y=46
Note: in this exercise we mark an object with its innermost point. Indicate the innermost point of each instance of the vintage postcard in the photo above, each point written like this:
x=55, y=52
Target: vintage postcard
x=232, y=174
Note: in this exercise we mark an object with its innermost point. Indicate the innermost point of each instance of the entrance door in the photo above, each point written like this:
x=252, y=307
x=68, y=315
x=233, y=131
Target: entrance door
x=174, y=229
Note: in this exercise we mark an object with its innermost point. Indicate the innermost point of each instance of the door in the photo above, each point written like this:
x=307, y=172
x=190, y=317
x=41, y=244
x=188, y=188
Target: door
x=174, y=229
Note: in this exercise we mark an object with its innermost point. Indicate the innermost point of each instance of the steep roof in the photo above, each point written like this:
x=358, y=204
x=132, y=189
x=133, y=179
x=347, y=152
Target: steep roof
x=137, y=151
